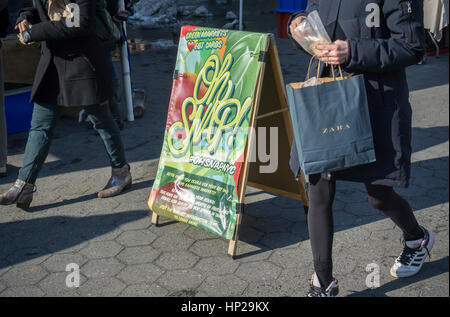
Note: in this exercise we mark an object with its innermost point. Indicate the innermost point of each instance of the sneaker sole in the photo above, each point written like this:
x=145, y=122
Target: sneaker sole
x=430, y=247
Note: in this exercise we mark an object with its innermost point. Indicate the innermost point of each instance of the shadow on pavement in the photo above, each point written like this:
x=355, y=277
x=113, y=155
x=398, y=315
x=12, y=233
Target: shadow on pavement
x=432, y=269
x=77, y=149
x=277, y=232
x=65, y=202
x=433, y=73
x=26, y=240
x=424, y=138
x=269, y=224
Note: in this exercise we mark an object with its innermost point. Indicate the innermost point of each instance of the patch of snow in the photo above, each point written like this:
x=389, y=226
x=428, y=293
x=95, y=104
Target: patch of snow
x=231, y=16
x=202, y=11
x=154, y=13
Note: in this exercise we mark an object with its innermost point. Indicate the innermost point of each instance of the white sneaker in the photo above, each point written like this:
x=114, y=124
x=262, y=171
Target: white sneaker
x=316, y=289
x=414, y=254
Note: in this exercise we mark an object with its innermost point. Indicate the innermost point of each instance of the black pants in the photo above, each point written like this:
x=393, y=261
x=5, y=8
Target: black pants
x=321, y=194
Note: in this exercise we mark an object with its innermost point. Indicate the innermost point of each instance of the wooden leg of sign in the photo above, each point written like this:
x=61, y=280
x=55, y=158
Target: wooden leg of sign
x=155, y=219
x=232, y=246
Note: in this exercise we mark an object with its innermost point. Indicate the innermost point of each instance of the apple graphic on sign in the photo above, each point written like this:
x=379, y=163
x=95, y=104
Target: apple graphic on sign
x=183, y=87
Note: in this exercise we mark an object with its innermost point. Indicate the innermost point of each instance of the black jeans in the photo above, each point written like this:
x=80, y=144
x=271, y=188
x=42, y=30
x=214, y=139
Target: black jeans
x=320, y=219
x=45, y=118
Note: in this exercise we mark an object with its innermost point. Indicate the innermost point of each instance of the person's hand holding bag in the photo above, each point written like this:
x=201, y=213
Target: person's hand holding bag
x=335, y=54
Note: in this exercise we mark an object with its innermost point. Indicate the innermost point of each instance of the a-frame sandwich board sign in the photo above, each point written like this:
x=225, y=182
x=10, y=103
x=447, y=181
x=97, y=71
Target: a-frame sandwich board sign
x=226, y=84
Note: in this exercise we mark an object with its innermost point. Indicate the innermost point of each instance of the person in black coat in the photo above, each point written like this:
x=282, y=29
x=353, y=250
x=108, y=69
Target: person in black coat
x=73, y=71
x=4, y=25
x=377, y=39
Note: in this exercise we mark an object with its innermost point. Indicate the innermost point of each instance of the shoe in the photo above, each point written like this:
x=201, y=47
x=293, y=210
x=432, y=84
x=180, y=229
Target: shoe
x=20, y=194
x=413, y=256
x=316, y=289
x=3, y=171
x=120, y=180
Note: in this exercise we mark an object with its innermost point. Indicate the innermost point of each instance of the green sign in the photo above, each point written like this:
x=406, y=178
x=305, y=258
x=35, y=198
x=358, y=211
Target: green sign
x=207, y=127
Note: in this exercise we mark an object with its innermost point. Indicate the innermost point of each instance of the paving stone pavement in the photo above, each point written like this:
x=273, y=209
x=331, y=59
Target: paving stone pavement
x=120, y=253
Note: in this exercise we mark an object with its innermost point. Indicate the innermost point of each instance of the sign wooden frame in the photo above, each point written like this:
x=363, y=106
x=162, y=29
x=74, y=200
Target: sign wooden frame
x=270, y=109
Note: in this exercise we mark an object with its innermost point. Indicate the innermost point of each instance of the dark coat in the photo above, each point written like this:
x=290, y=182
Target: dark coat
x=73, y=69
x=113, y=6
x=381, y=54
x=4, y=19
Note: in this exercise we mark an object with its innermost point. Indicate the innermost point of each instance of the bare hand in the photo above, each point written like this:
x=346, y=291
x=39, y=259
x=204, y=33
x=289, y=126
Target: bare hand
x=335, y=53
x=296, y=22
x=22, y=26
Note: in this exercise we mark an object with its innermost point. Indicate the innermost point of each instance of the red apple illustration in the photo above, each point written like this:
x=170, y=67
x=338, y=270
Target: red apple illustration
x=182, y=88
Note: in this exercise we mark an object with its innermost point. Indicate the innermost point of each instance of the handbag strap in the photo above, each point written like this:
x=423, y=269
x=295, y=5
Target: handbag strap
x=318, y=69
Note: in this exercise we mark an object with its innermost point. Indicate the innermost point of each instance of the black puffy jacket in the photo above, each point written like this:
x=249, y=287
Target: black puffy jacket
x=4, y=19
x=381, y=53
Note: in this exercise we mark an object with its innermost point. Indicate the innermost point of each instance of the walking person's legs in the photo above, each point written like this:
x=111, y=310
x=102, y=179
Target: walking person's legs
x=321, y=194
x=418, y=241
x=385, y=199
x=45, y=118
x=104, y=124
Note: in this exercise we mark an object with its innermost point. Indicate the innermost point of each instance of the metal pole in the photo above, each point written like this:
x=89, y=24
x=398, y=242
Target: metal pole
x=125, y=63
x=436, y=45
x=241, y=9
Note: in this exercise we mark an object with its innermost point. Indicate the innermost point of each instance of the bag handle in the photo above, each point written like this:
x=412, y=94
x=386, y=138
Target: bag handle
x=318, y=69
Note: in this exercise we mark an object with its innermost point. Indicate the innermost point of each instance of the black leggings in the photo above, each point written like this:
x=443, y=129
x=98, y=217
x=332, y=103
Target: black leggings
x=320, y=219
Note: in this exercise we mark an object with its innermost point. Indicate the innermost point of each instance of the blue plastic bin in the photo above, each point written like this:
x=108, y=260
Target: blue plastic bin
x=291, y=6
x=18, y=110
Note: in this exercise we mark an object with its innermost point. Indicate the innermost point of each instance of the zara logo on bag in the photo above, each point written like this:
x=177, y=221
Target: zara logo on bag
x=337, y=128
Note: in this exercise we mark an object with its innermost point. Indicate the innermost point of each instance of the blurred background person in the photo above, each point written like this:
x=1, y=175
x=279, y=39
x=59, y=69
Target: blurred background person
x=111, y=43
x=118, y=16
x=73, y=71
x=4, y=25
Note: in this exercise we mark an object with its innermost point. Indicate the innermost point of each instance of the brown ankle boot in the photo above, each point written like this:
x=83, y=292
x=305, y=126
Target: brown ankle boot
x=20, y=194
x=120, y=180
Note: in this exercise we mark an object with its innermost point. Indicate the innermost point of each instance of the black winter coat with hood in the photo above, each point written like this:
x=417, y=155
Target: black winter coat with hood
x=381, y=53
